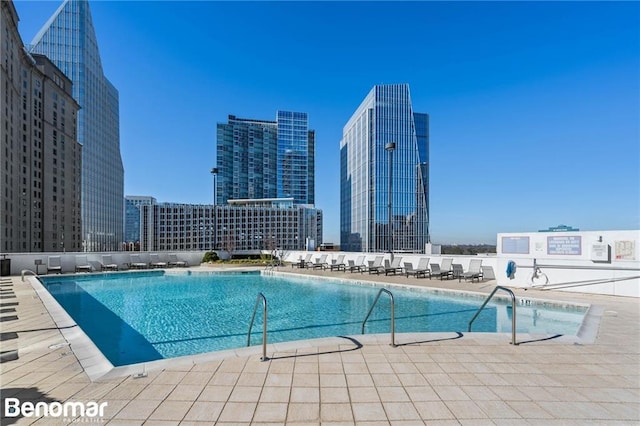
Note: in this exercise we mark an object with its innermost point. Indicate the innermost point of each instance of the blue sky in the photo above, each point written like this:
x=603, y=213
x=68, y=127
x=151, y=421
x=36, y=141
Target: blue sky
x=534, y=107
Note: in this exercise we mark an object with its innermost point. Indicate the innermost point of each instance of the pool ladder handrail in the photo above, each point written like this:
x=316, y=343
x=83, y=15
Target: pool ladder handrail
x=264, y=324
x=30, y=272
x=393, y=315
x=513, y=312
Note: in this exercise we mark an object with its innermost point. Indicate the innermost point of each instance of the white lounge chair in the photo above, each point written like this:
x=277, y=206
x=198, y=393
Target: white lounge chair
x=375, y=266
x=108, y=264
x=394, y=267
x=82, y=265
x=355, y=266
x=474, y=272
x=54, y=264
x=173, y=261
x=155, y=261
x=320, y=263
x=137, y=263
x=421, y=271
x=338, y=264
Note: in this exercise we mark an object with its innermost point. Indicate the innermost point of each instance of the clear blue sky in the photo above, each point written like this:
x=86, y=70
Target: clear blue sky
x=535, y=107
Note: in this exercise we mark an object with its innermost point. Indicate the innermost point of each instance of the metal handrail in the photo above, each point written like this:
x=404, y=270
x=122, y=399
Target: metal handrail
x=513, y=309
x=393, y=315
x=24, y=271
x=264, y=325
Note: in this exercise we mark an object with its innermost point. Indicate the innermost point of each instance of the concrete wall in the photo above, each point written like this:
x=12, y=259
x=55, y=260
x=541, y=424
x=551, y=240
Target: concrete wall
x=599, y=262
x=20, y=261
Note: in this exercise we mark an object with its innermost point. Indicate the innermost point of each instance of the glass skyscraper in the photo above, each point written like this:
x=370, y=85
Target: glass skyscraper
x=266, y=159
x=68, y=39
x=386, y=115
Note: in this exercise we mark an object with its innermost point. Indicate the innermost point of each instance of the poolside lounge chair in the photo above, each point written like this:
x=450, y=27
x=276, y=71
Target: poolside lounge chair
x=155, y=261
x=302, y=263
x=108, y=264
x=447, y=267
x=355, y=266
x=137, y=263
x=437, y=272
x=394, y=267
x=338, y=264
x=320, y=263
x=375, y=267
x=474, y=272
x=487, y=273
x=456, y=270
x=421, y=271
x=82, y=265
x=54, y=264
x=173, y=261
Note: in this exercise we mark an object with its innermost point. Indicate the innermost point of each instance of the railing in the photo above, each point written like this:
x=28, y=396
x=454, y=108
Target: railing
x=27, y=271
x=264, y=325
x=513, y=309
x=393, y=315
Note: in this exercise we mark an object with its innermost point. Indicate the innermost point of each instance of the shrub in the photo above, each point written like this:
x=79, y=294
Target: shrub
x=210, y=256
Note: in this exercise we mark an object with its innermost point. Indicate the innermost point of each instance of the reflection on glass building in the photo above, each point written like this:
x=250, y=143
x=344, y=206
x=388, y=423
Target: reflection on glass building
x=69, y=41
x=386, y=115
x=266, y=159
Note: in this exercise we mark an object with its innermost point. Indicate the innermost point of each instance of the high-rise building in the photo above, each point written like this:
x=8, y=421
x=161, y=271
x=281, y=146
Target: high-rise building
x=248, y=226
x=132, y=218
x=367, y=156
x=40, y=157
x=266, y=159
x=69, y=40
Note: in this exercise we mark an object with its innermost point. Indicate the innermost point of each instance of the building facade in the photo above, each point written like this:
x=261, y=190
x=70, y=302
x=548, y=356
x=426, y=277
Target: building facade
x=266, y=159
x=132, y=219
x=241, y=226
x=40, y=156
x=69, y=40
x=385, y=116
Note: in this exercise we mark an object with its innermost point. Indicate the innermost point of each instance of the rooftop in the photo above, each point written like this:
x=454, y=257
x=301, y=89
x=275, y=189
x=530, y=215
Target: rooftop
x=434, y=378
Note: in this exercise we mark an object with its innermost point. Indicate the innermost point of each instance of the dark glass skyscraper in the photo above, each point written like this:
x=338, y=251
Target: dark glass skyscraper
x=266, y=159
x=386, y=115
x=68, y=39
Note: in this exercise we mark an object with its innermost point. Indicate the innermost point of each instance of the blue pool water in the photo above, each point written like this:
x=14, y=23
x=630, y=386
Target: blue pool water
x=137, y=317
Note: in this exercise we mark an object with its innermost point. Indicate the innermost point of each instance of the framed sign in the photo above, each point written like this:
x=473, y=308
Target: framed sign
x=567, y=245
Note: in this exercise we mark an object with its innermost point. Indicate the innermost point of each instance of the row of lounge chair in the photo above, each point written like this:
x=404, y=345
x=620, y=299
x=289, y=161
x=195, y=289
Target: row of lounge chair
x=54, y=263
x=446, y=270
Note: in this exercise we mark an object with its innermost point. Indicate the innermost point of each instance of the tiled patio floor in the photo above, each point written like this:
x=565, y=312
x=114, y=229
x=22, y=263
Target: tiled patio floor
x=434, y=379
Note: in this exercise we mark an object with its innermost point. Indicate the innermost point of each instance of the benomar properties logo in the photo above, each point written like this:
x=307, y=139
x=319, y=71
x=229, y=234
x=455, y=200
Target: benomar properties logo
x=91, y=411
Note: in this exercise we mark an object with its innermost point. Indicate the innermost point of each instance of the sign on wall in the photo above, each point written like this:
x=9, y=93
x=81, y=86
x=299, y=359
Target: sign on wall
x=567, y=245
x=625, y=250
x=515, y=245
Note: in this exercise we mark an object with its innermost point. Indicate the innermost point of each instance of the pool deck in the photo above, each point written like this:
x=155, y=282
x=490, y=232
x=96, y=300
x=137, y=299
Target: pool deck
x=429, y=378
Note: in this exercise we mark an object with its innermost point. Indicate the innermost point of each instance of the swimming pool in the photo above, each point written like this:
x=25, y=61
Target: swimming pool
x=145, y=316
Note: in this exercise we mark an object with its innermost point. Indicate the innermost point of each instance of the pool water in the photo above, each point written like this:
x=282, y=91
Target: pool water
x=138, y=317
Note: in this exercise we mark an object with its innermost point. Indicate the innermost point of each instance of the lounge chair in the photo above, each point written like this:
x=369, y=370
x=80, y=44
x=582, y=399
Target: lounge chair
x=320, y=263
x=82, y=265
x=108, y=264
x=155, y=262
x=487, y=273
x=375, y=267
x=338, y=264
x=447, y=266
x=395, y=267
x=54, y=264
x=173, y=261
x=355, y=266
x=302, y=263
x=456, y=270
x=437, y=272
x=421, y=271
x=137, y=263
x=474, y=272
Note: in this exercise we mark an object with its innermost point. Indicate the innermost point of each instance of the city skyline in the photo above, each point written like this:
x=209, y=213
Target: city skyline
x=533, y=106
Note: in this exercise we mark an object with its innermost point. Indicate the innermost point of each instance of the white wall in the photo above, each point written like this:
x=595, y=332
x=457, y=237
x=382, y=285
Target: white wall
x=20, y=261
x=600, y=262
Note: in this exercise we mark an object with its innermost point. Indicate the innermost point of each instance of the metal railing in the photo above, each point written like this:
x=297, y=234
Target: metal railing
x=393, y=315
x=513, y=309
x=264, y=325
x=27, y=271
